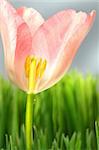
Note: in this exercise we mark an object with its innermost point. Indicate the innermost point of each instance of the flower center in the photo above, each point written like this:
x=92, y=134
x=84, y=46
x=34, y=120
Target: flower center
x=34, y=70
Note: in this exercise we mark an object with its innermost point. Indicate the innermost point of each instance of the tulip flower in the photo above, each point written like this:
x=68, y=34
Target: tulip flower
x=38, y=53
x=52, y=44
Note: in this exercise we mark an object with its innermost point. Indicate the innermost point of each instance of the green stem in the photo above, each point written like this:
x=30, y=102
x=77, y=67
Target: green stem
x=29, y=112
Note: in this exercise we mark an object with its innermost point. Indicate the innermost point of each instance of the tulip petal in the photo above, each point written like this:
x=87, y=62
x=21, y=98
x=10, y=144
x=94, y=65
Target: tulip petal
x=49, y=37
x=63, y=39
x=10, y=24
x=9, y=21
x=16, y=28
x=31, y=17
x=24, y=41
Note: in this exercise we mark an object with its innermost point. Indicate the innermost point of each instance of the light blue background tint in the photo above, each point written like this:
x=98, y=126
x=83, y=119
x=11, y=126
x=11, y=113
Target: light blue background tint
x=87, y=57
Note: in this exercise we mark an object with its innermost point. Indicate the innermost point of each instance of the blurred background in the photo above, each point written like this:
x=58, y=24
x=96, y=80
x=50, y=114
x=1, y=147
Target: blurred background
x=87, y=58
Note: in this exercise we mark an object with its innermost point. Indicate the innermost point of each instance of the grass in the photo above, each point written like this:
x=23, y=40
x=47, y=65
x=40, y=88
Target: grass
x=65, y=116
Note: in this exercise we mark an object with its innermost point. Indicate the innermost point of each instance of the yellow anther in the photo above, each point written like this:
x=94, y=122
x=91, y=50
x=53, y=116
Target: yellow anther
x=43, y=67
x=34, y=69
x=38, y=68
x=32, y=75
x=27, y=66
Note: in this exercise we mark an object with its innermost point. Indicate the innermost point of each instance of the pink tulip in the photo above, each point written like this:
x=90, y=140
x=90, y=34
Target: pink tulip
x=50, y=44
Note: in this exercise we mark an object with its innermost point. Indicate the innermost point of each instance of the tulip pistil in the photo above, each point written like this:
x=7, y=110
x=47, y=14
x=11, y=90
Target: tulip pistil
x=34, y=70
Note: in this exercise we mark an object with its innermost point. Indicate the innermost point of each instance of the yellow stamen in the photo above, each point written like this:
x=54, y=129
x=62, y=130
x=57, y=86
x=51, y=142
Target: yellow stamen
x=34, y=69
x=32, y=77
x=27, y=66
x=38, y=68
x=43, y=67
